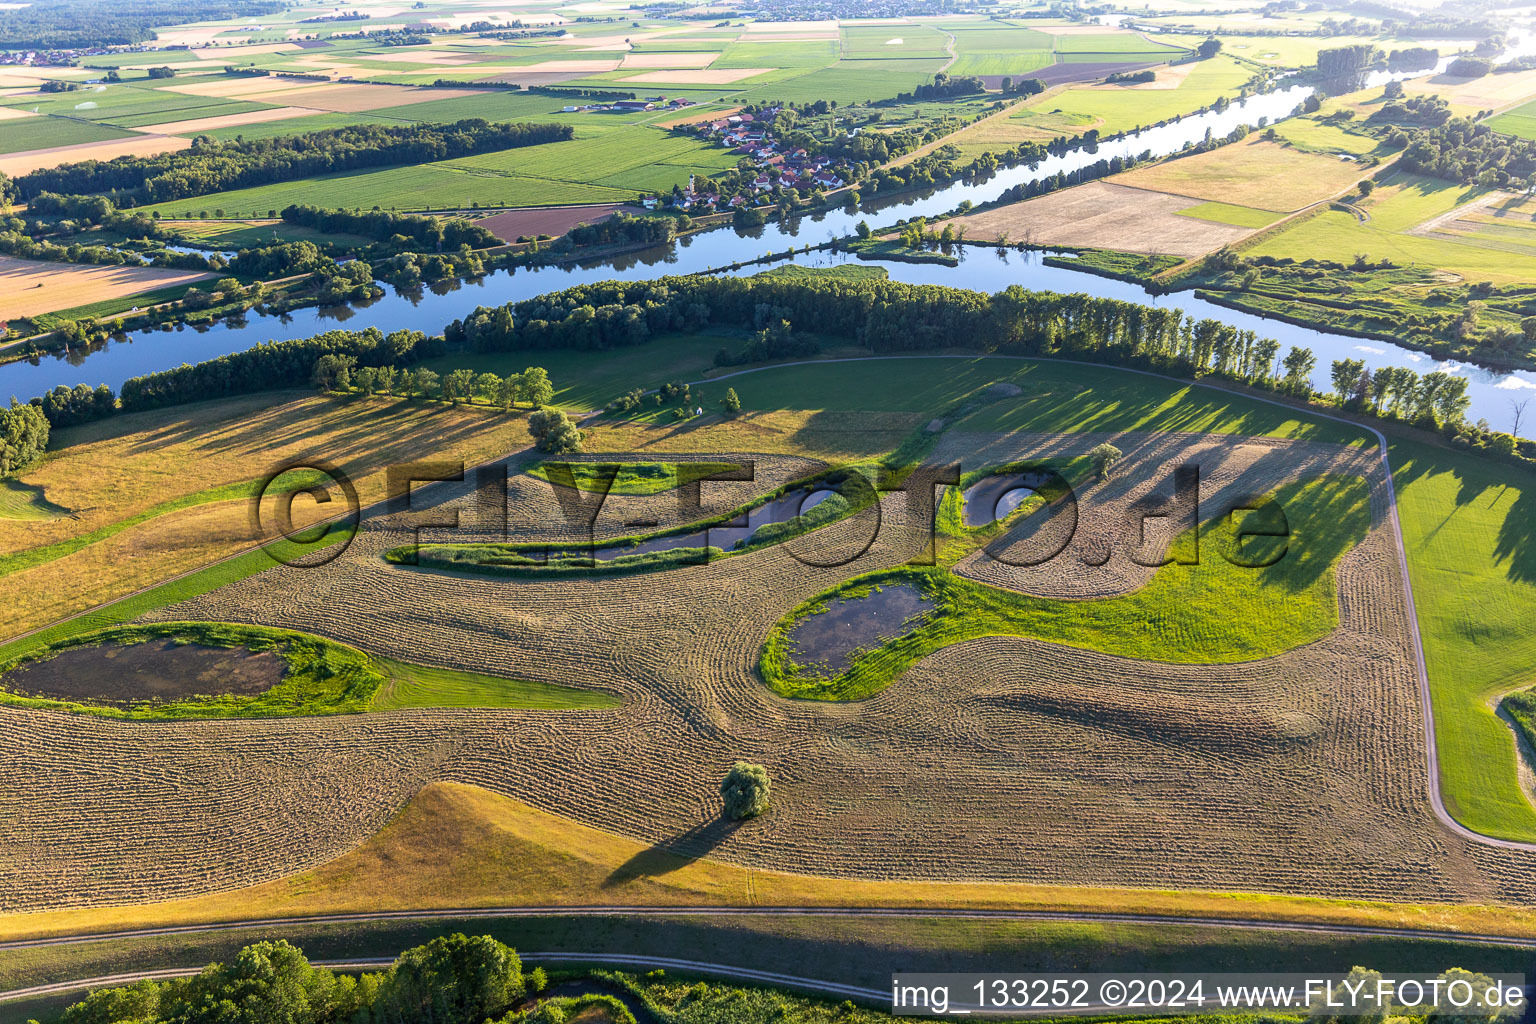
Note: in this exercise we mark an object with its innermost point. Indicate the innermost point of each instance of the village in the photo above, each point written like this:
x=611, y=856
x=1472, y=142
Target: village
x=747, y=134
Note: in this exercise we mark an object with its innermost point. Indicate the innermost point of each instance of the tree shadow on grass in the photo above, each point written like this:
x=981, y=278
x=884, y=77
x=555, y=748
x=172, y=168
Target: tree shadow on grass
x=671, y=854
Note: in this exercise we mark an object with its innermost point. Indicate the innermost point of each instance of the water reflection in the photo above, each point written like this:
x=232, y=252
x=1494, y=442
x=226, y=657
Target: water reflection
x=430, y=307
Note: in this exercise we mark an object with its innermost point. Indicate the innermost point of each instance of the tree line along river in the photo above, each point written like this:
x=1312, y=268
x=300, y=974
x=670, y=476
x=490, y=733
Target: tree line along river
x=429, y=309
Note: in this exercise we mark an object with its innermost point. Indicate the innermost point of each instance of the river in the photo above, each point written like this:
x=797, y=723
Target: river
x=429, y=309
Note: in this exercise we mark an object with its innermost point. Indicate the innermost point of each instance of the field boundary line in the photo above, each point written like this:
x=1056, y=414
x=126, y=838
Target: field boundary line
x=855, y=912
x=1437, y=803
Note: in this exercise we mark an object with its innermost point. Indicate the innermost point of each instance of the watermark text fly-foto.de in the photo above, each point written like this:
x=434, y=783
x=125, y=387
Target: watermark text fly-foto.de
x=1359, y=994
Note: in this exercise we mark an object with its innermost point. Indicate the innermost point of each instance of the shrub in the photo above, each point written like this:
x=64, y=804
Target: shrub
x=1104, y=457
x=553, y=432
x=746, y=789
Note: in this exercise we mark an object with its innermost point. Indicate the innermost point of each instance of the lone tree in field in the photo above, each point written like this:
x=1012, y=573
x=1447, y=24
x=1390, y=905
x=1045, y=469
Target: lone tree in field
x=1209, y=48
x=746, y=790
x=730, y=402
x=1104, y=458
x=553, y=432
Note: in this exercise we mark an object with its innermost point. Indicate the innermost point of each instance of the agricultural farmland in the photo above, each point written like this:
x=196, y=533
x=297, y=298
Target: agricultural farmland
x=29, y=287
x=644, y=515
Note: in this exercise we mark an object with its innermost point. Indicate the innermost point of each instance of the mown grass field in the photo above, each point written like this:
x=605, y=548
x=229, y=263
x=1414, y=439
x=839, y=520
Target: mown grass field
x=461, y=846
x=163, y=492
x=1254, y=172
x=1210, y=613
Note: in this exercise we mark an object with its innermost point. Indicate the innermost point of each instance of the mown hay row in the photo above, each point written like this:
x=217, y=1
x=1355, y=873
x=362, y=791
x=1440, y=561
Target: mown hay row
x=1001, y=758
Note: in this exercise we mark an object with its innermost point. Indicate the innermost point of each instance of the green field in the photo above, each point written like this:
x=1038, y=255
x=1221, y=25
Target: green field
x=29, y=133
x=1519, y=122
x=583, y=383
x=1404, y=202
x=605, y=163
x=881, y=41
x=1467, y=523
x=1116, y=109
x=19, y=560
x=1226, y=213
x=857, y=951
x=1001, y=63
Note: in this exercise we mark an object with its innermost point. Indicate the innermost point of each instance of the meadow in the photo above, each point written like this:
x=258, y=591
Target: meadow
x=1255, y=173
x=1402, y=203
x=1467, y=527
x=627, y=161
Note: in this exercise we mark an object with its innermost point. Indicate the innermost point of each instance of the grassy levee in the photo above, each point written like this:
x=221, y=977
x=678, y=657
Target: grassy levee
x=460, y=847
x=1469, y=526
x=1210, y=613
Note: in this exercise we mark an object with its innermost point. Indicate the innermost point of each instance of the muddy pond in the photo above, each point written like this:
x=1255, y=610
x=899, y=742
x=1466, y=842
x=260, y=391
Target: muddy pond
x=158, y=671
x=826, y=641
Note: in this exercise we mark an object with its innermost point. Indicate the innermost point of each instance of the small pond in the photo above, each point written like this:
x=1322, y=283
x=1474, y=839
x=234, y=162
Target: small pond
x=158, y=670
x=827, y=640
x=996, y=497
x=780, y=510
